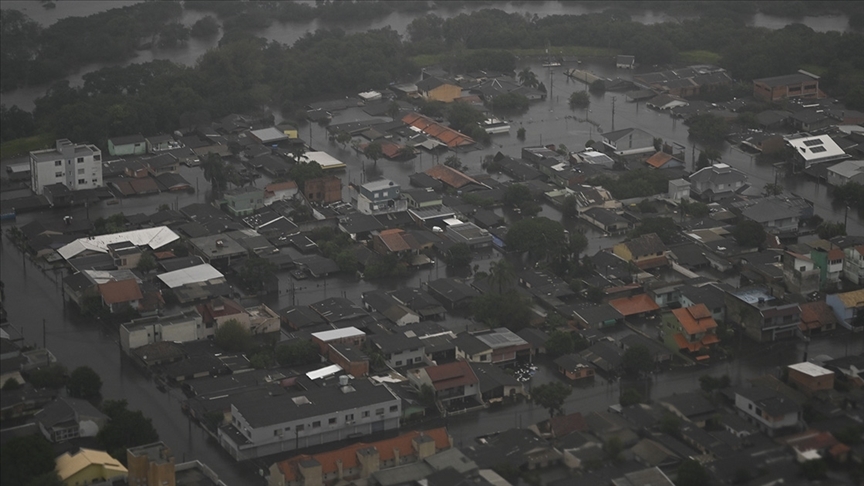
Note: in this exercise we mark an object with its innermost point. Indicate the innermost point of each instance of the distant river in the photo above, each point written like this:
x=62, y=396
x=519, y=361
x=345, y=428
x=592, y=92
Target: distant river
x=288, y=33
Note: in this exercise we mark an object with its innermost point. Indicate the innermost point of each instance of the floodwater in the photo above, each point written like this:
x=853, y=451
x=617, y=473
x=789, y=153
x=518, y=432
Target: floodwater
x=288, y=33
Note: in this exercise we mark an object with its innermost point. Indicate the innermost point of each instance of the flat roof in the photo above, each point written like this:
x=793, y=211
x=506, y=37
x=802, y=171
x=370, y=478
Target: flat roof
x=322, y=372
x=188, y=275
x=338, y=334
x=810, y=369
x=155, y=238
x=752, y=295
x=325, y=160
x=270, y=134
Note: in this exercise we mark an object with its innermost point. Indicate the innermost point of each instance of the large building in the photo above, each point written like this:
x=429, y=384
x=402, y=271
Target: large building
x=75, y=166
x=799, y=85
x=321, y=413
x=762, y=316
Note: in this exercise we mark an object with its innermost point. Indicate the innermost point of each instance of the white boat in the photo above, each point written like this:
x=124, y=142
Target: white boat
x=494, y=125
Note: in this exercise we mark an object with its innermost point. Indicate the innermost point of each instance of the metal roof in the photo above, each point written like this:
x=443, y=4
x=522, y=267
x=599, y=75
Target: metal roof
x=155, y=238
x=198, y=273
x=334, y=334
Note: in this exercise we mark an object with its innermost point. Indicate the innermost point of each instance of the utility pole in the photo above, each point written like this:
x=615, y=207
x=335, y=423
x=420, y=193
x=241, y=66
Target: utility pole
x=44, y=335
x=846, y=218
x=613, y=113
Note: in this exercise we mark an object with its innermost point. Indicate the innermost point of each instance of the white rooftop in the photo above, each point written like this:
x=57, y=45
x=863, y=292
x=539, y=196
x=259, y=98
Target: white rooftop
x=453, y=221
x=848, y=168
x=322, y=372
x=267, y=135
x=155, y=238
x=810, y=369
x=325, y=160
x=334, y=334
x=184, y=276
x=817, y=148
x=501, y=338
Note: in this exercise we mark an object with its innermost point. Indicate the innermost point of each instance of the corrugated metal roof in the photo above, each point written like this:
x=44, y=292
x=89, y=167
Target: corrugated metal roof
x=155, y=238
x=198, y=273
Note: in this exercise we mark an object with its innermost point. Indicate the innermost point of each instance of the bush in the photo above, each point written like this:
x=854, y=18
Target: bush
x=297, y=352
x=51, y=376
x=232, y=336
x=579, y=99
x=459, y=256
x=84, y=383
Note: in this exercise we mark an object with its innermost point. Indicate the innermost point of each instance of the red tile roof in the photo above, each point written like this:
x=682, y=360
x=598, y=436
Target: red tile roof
x=280, y=186
x=630, y=306
x=398, y=240
x=682, y=343
x=451, y=375
x=348, y=455
x=116, y=292
x=434, y=129
x=451, y=176
x=659, y=159
x=695, y=319
x=815, y=315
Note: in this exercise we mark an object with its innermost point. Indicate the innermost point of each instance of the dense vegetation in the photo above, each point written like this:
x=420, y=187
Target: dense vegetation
x=246, y=73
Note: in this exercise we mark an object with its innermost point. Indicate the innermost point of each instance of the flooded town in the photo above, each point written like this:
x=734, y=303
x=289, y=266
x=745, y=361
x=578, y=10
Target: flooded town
x=432, y=243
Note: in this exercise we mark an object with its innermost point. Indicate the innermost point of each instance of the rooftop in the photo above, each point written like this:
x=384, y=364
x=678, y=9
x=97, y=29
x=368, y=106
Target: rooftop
x=810, y=369
x=155, y=238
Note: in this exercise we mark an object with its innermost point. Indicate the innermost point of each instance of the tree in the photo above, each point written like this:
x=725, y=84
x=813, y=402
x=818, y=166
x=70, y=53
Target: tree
x=46, y=479
x=828, y=230
x=206, y=26
x=528, y=78
x=232, y=336
x=579, y=99
x=708, y=128
x=694, y=208
x=613, y=448
x=147, y=263
x=570, y=207
x=426, y=395
x=25, y=458
x=51, y=376
x=510, y=310
x=772, y=189
x=512, y=103
x=373, y=151
x=297, y=352
x=84, y=383
x=630, y=397
x=126, y=428
x=462, y=115
x=302, y=172
x=559, y=343
x=343, y=138
x=709, y=384
x=850, y=194
x=749, y=234
x=598, y=86
x=637, y=360
x=692, y=473
x=453, y=162
x=501, y=275
x=11, y=384
x=551, y=396
x=459, y=256
x=255, y=273
x=214, y=173
x=520, y=134
x=540, y=237
x=663, y=227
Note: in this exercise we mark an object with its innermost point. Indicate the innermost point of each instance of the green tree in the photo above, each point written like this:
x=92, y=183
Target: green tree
x=11, y=384
x=828, y=230
x=551, y=396
x=462, y=115
x=501, y=275
x=510, y=103
x=709, y=384
x=426, y=395
x=749, y=234
x=630, y=397
x=637, y=360
x=214, y=173
x=206, y=26
x=343, y=138
x=692, y=473
x=255, y=272
x=613, y=448
x=84, y=383
x=670, y=424
x=510, y=310
x=51, y=376
x=373, y=151
x=663, y=227
x=301, y=172
x=46, y=479
x=598, y=86
x=517, y=195
x=453, y=162
x=147, y=263
x=559, y=343
x=708, y=128
x=232, y=336
x=579, y=99
x=772, y=189
x=24, y=459
x=528, y=78
x=297, y=352
x=459, y=256
x=125, y=428
x=540, y=237
x=851, y=194
x=520, y=134
x=570, y=208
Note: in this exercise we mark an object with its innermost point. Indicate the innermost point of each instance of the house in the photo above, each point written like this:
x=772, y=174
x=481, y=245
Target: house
x=523, y=449
x=69, y=418
x=801, y=274
x=469, y=234
x=762, y=316
x=455, y=384
x=399, y=350
x=243, y=201
x=452, y=293
x=608, y=221
x=470, y=348
x=352, y=360
x=779, y=214
x=75, y=166
x=128, y=145
x=645, y=251
x=678, y=189
x=652, y=476
x=218, y=249
x=504, y=343
x=279, y=191
x=629, y=141
x=324, y=190
x=814, y=444
x=323, y=413
x=154, y=238
x=598, y=316
x=817, y=317
x=350, y=336
x=440, y=133
x=455, y=179
x=691, y=407
x=574, y=367
x=422, y=198
x=684, y=82
x=183, y=327
x=604, y=356
x=853, y=264
x=625, y=62
x=437, y=89
x=387, y=305
x=810, y=378
x=691, y=329
x=161, y=164
x=359, y=461
x=815, y=150
x=395, y=242
x=849, y=368
x=767, y=409
x=798, y=85
x=663, y=160
x=88, y=466
x=160, y=143
x=716, y=182
x=849, y=309
x=119, y=295
x=125, y=254
x=829, y=261
x=846, y=172
x=381, y=196
x=659, y=353
x=496, y=385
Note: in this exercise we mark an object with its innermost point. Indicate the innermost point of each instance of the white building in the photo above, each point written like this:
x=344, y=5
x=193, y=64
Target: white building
x=767, y=409
x=381, y=196
x=76, y=166
x=180, y=328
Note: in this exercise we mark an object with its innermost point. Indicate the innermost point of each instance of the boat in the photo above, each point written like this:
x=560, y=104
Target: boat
x=494, y=125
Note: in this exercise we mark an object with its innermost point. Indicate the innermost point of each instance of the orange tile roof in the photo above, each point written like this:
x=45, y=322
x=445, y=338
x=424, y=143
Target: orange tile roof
x=450, y=375
x=116, y=292
x=629, y=306
x=835, y=254
x=280, y=186
x=394, y=240
x=682, y=343
x=710, y=339
x=659, y=159
x=695, y=319
x=451, y=176
x=348, y=455
x=434, y=129
x=816, y=314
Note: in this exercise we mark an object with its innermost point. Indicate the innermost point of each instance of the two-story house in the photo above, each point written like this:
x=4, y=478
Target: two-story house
x=399, y=350
x=69, y=418
x=128, y=145
x=243, y=201
x=691, y=329
x=801, y=274
x=846, y=172
x=455, y=384
x=75, y=166
x=264, y=423
x=381, y=196
x=829, y=260
x=849, y=309
x=437, y=89
x=768, y=409
x=629, y=141
x=762, y=316
x=716, y=182
x=645, y=251
x=853, y=264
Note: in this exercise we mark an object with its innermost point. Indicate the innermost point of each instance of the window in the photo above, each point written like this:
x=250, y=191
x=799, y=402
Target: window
x=95, y=181
x=97, y=157
x=58, y=174
x=80, y=171
x=379, y=411
x=399, y=363
x=365, y=413
x=417, y=359
x=80, y=159
x=82, y=181
x=316, y=424
x=394, y=408
x=332, y=421
x=349, y=417
x=58, y=163
x=301, y=427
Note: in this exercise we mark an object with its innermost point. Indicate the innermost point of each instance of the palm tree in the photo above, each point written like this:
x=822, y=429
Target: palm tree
x=528, y=78
x=501, y=275
x=214, y=172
